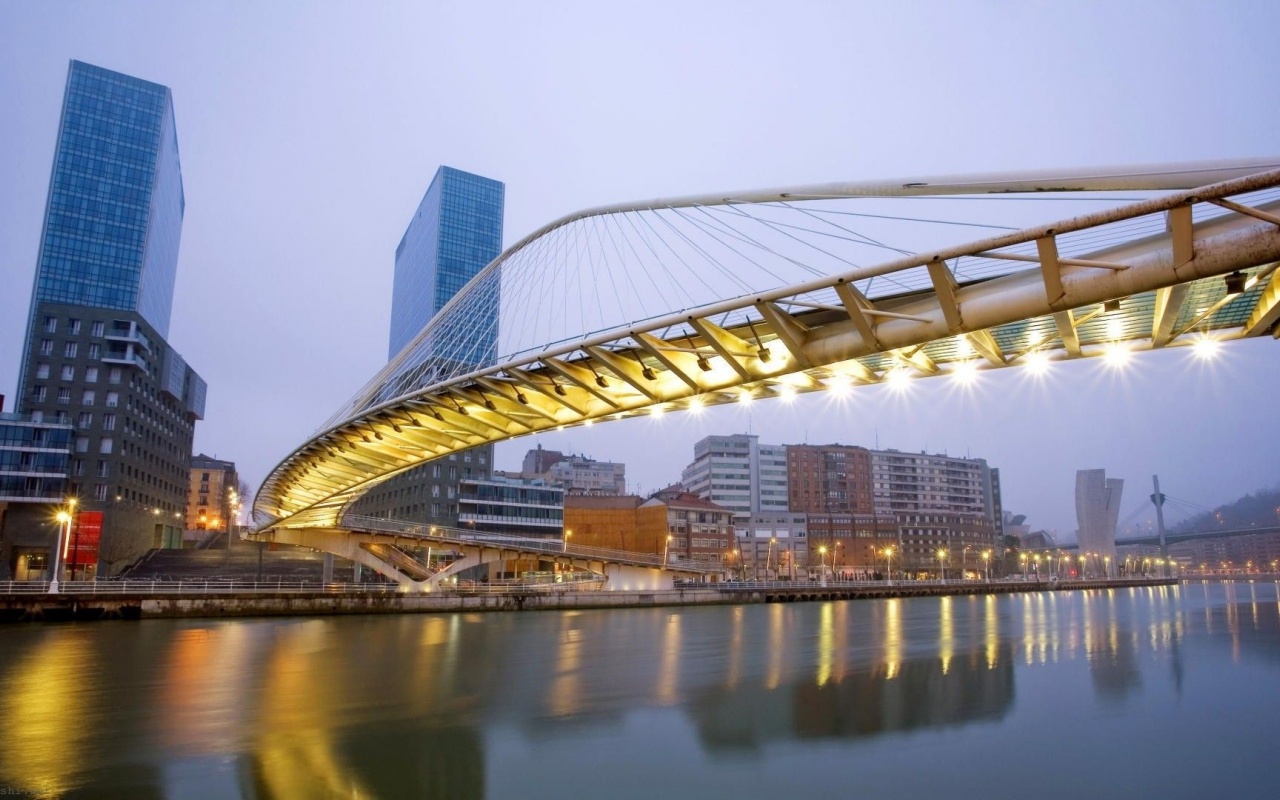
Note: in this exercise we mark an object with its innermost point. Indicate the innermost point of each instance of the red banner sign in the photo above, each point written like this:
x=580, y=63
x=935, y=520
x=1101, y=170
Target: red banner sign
x=86, y=533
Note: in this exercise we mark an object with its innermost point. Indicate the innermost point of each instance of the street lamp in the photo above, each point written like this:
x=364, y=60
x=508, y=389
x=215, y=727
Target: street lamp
x=666, y=551
x=564, y=544
x=822, y=554
x=888, y=565
x=942, y=564
x=986, y=563
x=64, y=530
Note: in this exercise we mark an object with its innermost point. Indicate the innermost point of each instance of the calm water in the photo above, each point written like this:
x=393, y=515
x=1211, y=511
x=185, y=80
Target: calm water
x=1132, y=693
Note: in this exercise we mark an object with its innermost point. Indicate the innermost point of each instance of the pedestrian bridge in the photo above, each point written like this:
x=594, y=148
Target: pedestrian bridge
x=675, y=304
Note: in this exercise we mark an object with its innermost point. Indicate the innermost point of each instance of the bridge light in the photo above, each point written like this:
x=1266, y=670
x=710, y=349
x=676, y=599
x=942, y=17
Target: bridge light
x=656, y=412
x=1117, y=355
x=965, y=372
x=695, y=405
x=964, y=348
x=897, y=379
x=1205, y=348
x=787, y=392
x=1115, y=329
x=840, y=385
x=588, y=422
x=1037, y=363
x=745, y=397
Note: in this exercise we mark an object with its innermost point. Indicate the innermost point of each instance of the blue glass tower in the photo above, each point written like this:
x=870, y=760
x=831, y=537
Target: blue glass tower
x=96, y=355
x=455, y=233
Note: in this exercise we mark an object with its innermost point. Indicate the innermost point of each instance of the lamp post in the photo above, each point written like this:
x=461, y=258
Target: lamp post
x=822, y=556
x=768, y=558
x=888, y=565
x=64, y=529
x=942, y=564
x=666, y=551
x=986, y=563
x=564, y=543
x=233, y=502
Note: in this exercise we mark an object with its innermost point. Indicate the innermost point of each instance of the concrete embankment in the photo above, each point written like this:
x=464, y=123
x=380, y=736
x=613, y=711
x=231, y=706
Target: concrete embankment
x=160, y=605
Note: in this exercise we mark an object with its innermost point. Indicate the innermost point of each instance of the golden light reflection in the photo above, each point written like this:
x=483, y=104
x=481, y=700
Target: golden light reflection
x=892, y=637
x=201, y=695
x=565, y=692
x=669, y=663
x=826, y=642
x=946, y=633
x=296, y=751
x=777, y=625
x=735, y=646
x=991, y=629
x=1028, y=630
x=46, y=715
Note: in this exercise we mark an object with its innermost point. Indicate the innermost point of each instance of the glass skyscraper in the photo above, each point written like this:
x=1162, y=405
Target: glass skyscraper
x=455, y=232
x=96, y=355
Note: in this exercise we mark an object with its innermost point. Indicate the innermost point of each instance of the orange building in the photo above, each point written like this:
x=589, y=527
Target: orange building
x=209, y=498
x=617, y=523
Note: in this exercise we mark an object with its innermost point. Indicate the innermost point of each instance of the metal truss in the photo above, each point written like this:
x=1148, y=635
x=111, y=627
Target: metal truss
x=1207, y=270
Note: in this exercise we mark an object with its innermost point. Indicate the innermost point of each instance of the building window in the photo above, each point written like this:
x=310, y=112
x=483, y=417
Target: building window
x=46, y=347
x=435, y=470
x=435, y=490
x=86, y=420
x=105, y=446
x=113, y=399
x=42, y=371
x=82, y=444
x=94, y=352
x=108, y=422
x=99, y=328
x=39, y=393
x=467, y=457
x=91, y=375
x=62, y=418
x=74, y=325
x=68, y=372
x=104, y=469
x=88, y=397
x=64, y=395
x=37, y=416
x=484, y=459
x=70, y=350
x=114, y=375
x=100, y=491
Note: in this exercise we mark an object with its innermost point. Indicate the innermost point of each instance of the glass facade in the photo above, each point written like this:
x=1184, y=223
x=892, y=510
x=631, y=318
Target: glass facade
x=115, y=199
x=34, y=459
x=455, y=233
x=114, y=215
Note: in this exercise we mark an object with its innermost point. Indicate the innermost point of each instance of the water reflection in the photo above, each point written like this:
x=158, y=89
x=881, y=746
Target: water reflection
x=416, y=705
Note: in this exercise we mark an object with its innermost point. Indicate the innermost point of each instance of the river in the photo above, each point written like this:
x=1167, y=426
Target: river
x=1164, y=692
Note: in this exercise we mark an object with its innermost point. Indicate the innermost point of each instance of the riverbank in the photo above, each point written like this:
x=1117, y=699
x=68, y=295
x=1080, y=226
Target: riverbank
x=168, y=602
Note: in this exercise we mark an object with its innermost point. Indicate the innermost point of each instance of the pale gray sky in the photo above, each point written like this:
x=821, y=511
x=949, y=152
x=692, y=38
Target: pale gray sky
x=309, y=132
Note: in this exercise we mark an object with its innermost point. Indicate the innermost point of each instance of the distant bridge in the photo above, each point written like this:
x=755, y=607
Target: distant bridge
x=1173, y=538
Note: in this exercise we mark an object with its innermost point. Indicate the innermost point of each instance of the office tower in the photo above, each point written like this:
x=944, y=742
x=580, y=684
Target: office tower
x=455, y=232
x=739, y=473
x=96, y=354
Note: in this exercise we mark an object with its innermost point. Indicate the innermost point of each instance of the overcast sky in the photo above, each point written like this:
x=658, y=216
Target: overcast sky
x=309, y=132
